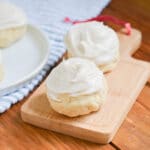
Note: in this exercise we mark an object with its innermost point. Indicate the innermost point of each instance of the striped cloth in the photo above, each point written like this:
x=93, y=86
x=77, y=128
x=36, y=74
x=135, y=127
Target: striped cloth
x=48, y=15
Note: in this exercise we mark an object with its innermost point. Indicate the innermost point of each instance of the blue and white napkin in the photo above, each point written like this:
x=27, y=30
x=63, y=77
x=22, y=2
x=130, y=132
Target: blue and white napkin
x=48, y=15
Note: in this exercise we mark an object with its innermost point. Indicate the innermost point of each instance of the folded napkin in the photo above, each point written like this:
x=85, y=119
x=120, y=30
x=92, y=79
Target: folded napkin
x=48, y=15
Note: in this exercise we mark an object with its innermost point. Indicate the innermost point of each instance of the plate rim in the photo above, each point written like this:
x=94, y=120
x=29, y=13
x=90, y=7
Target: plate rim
x=18, y=83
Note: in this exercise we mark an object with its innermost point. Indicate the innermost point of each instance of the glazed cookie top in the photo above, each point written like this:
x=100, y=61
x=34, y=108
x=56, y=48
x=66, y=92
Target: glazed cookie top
x=11, y=16
x=93, y=40
x=75, y=76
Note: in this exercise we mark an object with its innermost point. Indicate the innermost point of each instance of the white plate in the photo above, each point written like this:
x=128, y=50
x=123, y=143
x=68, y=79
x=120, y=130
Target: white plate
x=24, y=59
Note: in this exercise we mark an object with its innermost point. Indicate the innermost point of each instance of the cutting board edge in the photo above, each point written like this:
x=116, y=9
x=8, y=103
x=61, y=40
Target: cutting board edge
x=101, y=138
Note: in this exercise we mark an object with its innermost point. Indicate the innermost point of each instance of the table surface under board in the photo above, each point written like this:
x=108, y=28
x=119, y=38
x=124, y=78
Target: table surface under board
x=134, y=132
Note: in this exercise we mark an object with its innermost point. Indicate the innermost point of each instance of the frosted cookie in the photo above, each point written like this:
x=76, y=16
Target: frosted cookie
x=76, y=87
x=13, y=24
x=94, y=41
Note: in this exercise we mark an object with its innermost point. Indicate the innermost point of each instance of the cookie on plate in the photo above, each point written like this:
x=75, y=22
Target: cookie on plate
x=13, y=24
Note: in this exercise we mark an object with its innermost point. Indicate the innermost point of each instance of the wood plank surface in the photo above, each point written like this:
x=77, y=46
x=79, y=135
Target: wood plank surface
x=14, y=134
x=144, y=97
x=135, y=130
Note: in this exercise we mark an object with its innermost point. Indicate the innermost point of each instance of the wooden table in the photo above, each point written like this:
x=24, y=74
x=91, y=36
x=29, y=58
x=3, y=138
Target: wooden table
x=134, y=133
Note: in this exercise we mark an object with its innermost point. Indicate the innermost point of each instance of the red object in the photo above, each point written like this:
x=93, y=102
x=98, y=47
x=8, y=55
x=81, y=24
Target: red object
x=104, y=18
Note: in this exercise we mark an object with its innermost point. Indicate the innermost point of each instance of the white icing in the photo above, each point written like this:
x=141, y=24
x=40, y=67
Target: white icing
x=11, y=16
x=93, y=40
x=75, y=76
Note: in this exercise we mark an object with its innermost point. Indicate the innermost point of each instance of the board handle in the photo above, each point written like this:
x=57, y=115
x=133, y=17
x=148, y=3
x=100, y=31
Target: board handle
x=129, y=43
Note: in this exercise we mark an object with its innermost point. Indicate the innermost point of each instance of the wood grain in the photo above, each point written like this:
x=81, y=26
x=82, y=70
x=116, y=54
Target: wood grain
x=144, y=97
x=136, y=12
x=100, y=126
x=135, y=130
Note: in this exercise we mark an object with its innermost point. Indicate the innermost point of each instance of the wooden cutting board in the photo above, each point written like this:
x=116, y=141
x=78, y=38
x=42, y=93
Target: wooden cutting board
x=125, y=83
